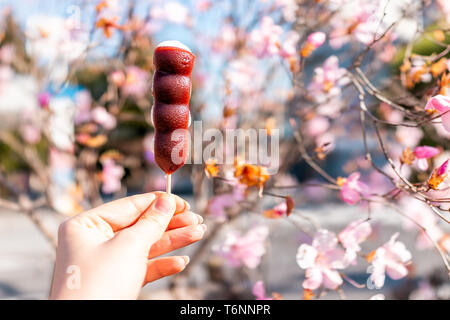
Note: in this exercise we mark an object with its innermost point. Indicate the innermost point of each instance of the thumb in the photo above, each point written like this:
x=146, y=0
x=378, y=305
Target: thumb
x=152, y=224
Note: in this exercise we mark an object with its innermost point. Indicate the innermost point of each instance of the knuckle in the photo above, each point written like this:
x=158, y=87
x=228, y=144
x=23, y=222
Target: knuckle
x=186, y=219
x=193, y=235
x=66, y=228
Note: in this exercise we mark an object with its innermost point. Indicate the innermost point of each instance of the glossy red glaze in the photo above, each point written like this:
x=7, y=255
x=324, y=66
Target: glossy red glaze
x=173, y=60
x=171, y=149
x=171, y=88
x=171, y=94
x=169, y=117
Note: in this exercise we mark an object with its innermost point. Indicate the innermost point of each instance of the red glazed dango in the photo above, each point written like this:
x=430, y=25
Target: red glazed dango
x=173, y=62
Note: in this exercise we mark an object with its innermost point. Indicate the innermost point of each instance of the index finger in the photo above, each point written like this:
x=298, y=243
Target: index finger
x=124, y=212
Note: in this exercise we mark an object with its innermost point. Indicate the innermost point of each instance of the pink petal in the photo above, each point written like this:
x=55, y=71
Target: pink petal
x=331, y=279
x=317, y=126
x=396, y=271
x=313, y=279
x=399, y=250
x=378, y=275
x=104, y=118
x=446, y=120
x=354, y=177
x=336, y=258
x=306, y=255
x=426, y=152
x=316, y=39
x=354, y=234
x=422, y=164
x=324, y=240
x=349, y=195
x=440, y=103
x=443, y=168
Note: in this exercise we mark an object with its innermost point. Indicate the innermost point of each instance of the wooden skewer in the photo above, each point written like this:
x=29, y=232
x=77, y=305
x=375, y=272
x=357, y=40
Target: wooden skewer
x=169, y=183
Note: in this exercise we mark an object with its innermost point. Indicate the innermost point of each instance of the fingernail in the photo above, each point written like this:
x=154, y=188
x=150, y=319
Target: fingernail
x=165, y=203
x=200, y=218
x=186, y=259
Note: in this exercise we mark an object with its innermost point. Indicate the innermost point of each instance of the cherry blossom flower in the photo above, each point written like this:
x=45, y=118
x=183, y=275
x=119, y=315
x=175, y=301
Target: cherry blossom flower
x=117, y=78
x=136, y=81
x=50, y=39
x=314, y=41
x=103, y=118
x=317, y=126
x=259, y=291
x=288, y=47
x=218, y=205
x=352, y=236
x=245, y=249
x=54, y=44
x=423, y=153
x=351, y=188
x=321, y=260
x=226, y=39
x=359, y=22
x=327, y=80
x=440, y=104
x=325, y=143
x=244, y=74
x=111, y=175
x=265, y=40
x=390, y=259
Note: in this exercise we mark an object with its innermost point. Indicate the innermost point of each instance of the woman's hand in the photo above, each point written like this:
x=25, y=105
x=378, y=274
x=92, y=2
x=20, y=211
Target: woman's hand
x=111, y=251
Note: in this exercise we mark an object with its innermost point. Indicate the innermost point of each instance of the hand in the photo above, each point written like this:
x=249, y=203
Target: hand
x=111, y=251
